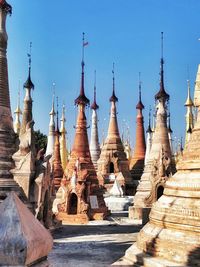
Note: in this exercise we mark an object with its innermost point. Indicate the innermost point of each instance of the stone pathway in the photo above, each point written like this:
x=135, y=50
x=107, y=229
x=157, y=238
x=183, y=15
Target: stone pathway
x=97, y=244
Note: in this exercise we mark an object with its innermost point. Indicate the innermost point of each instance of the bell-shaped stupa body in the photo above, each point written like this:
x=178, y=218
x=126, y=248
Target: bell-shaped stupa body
x=137, y=160
x=113, y=158
x=172, y=237
x=94, y=141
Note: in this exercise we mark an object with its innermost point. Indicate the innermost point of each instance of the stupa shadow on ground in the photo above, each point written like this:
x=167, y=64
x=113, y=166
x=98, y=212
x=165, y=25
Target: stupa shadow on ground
x=90, y=245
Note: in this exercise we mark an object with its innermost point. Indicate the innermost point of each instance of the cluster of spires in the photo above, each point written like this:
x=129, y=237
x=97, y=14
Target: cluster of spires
x=83, y=100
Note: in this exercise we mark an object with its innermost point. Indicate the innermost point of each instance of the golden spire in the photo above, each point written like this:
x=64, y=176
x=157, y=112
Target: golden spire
x=18, y=110
x=189, y=101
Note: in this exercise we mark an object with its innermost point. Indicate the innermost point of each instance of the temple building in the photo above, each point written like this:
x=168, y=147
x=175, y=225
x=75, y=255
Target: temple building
x=80, y=197
x=64, y=154
x=51, y=135
x=171, y=237
x=159, y=166
x=7, y=135
x=94, y=141
x=137, y=160
x=149, y=140
x=189, y=117
x=18, y=113
x=113, y=162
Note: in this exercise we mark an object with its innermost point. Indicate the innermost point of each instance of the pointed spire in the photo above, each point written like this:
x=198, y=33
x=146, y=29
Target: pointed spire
x=18, y=110
x=57, y=123
x=188, y=101
x=149, y=130
x=82, y=99
x=140, y=104
x=28, y=84
x=52, y=112
x=5, y=6
x=94, y=104
x=113, y=98
x=63, y=120
x=162, y=93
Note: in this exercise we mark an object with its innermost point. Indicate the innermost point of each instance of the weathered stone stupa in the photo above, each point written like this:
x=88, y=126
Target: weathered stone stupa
x=94, y=141
x=158, y=168
x=57, y=164
x=83, y=196
x=7, y=136
x=113, y=159
x=189, y=118
x=24, y=240
x=25, y=157
x=18, y=113
x=172, y=236
x=51, y=135
x=137, y=160
x=64, y=154
x=149, y=140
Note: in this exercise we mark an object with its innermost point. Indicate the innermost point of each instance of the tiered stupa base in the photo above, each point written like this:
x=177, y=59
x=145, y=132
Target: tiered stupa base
x=7, y=183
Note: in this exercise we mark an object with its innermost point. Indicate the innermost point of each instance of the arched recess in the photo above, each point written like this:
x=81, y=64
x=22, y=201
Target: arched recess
x=111, y=167
x=160, y=190
x=73, y=201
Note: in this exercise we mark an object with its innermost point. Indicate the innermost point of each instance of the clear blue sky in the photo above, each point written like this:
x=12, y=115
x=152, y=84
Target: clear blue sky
x=126, y=32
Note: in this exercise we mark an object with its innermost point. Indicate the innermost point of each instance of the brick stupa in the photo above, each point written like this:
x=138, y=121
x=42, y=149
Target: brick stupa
x=113, y=161
x=84, y=197
x=7, y=136
x=57, y=163
x=137, y=160
x=172, y=236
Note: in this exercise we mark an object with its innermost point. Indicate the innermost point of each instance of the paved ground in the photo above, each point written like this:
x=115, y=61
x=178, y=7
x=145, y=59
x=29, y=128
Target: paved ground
x=97, y=244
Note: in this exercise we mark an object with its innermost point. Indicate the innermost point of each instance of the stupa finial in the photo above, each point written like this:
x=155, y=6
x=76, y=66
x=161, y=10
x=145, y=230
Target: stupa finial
x=162, y=93
x=113, y=98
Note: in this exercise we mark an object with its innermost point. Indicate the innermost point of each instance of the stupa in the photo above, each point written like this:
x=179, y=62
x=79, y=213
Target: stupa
x=7, y=135
x=18, y=113
x=51, y=135
x=189, y=117
x=83, y=196
x=94, y=141
x=137, y=160
x=149, y=139
x=64, y=154
x=159, y=166
x=113, y=161
x=57, y=163
x=172, y=237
